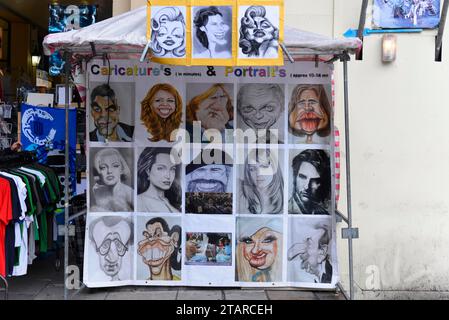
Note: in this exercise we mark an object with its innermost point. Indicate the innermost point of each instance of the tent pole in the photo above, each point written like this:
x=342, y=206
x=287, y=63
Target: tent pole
x=348, y=174
x=66, y=174
x=6, y=286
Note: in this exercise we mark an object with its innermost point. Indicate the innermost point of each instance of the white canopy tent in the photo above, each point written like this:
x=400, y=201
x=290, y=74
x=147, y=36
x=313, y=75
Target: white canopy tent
x=124, y=36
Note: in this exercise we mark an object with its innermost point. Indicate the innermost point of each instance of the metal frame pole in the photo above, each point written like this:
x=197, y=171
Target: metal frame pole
x=66, y=174
x=348, y=176
x=362, y=21
x=439, y=38
x=6, y=286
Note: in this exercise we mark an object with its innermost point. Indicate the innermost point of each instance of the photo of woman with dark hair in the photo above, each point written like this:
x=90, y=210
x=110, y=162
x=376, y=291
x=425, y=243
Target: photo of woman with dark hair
x=262, y=185
x=212, y=38
x=158, y=187
x=161, y=111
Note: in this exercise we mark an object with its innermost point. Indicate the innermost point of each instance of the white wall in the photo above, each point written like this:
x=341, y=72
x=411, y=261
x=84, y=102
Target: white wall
x=399, y=148
x=399, y=156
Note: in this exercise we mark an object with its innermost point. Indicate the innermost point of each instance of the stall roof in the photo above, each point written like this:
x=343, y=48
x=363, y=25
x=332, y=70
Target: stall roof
x=125, y=36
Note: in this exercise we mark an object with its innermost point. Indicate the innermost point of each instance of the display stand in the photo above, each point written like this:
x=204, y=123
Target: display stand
x=309, y=46
x=348, y=233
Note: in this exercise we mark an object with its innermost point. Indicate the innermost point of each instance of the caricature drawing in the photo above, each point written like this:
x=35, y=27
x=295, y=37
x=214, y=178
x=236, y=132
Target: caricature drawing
x=160, y=249
x=111, y=236
x=168, y=32
x=259, y=37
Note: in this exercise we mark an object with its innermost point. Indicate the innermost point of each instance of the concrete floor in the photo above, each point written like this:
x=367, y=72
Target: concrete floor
x=43, y=282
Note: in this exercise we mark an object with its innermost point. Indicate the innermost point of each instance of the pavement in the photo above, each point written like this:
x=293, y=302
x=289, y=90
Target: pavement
x=44, y=282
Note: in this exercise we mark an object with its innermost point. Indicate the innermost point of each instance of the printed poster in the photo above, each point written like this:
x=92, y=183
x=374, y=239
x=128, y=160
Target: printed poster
x=221, y=33
x=210, y=176
x=43, y=131
x=66, y=18
x=405, y=14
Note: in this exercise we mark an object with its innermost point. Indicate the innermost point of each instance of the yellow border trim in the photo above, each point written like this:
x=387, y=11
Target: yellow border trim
x=173, y=3
x=279, y=61
x=235, y=60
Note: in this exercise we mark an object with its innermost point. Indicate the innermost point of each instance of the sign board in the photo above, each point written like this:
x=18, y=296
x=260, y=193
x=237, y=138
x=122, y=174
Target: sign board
x=210, y=176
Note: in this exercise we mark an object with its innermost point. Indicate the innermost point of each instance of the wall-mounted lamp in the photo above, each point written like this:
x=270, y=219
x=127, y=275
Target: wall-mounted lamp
x=35, y=59
x=389, y=47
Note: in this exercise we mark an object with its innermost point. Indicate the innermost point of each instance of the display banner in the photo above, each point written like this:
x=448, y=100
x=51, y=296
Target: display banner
x=210, y=176
x=218, y=32
x=43, y=131
x=406, y=13
x=66, y=18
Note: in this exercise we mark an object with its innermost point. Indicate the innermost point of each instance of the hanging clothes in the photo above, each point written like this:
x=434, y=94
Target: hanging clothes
x=29, y=193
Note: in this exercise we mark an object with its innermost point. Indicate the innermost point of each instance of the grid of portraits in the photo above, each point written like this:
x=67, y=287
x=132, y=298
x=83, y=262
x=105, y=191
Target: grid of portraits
x=226, y=182
x=250, y=31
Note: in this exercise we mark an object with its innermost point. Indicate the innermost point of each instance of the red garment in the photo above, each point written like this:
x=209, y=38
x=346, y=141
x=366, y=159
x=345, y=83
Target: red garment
x=5, y=217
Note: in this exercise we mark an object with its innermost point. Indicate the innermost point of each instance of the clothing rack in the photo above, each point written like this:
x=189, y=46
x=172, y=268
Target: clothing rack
x=17, y=159
x=9, y=161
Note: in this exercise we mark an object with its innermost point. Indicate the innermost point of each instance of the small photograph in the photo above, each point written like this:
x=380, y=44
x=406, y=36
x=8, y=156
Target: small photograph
x=259, y=249
x=161, y=112
x=208, y=249
x=210, y=112
x=406, y=13
x=260, y=109
x=212, y=32
x=109, y=248
x=168, y=31
x=158, y=248
x=310, y=183
x=310, y=114
x=261, y=184
x=111, y=112
x=209, y=183
x=158, y=181
x=258, y=32
x=111, y=179
x=309, y=255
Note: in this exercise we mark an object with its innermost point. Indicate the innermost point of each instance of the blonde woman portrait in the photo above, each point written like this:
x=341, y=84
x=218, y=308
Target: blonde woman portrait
x=259, y=250
x=168, y=33
x=262, y=184
x=109, y=192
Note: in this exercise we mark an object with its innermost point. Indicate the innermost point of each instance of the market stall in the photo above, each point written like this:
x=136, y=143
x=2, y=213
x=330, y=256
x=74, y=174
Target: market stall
x=207, y=236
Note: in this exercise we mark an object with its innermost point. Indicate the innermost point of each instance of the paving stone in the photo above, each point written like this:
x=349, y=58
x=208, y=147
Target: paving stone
x=149, y=295
x=329, y=296
x=290, y=295
x=155, y=288
x=51, y=292
x=27, y=285
x=402, y=295
x=204, y=294
x=17, y=296
x=245, y=295
x=89, y=294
